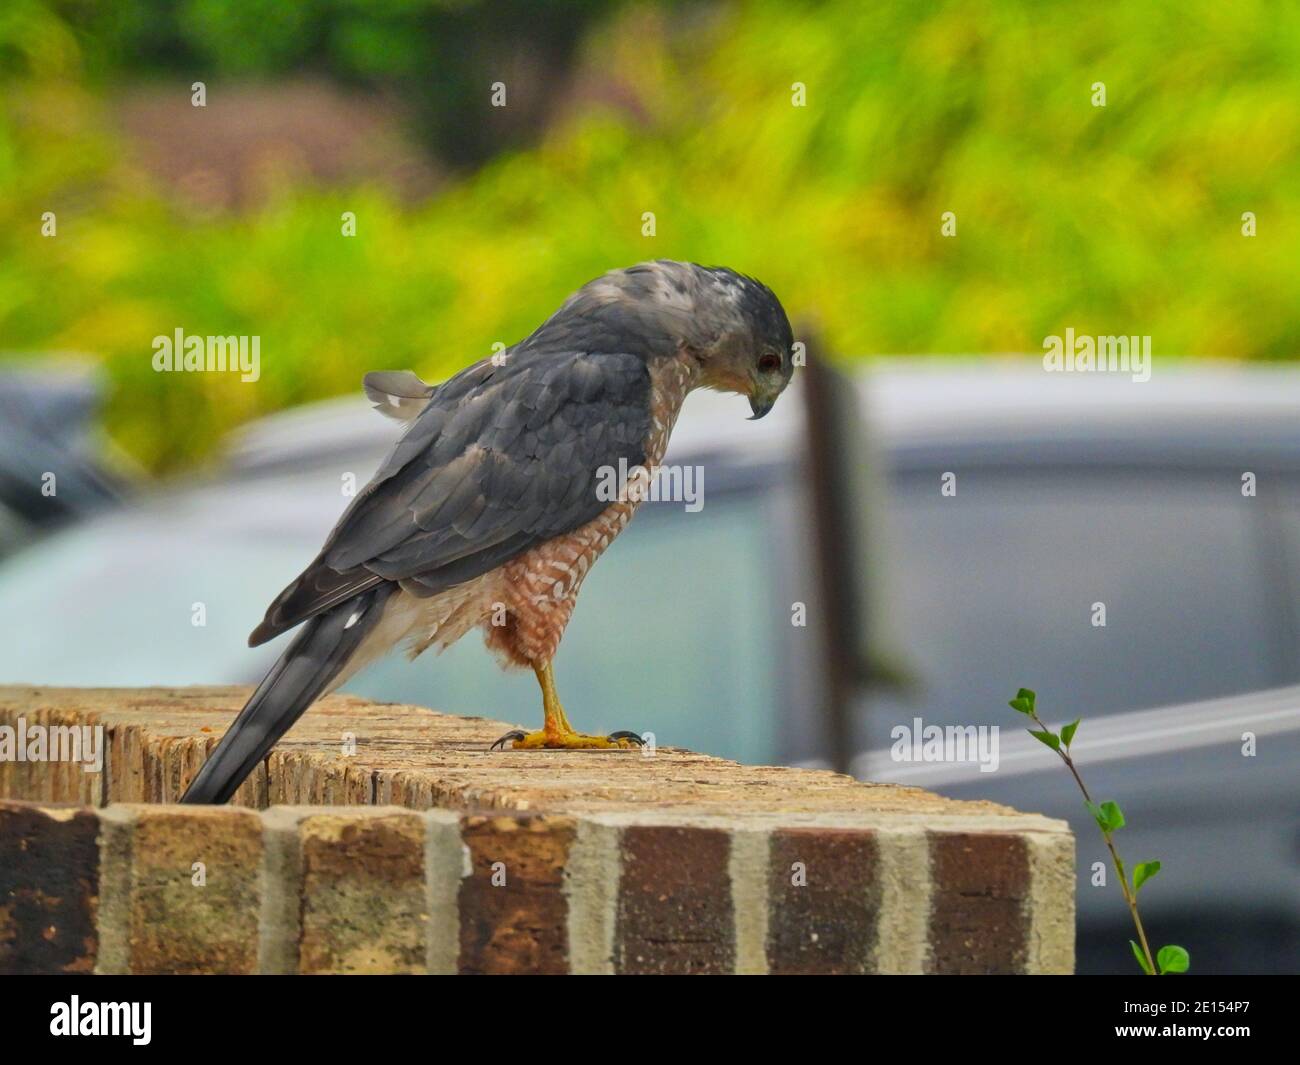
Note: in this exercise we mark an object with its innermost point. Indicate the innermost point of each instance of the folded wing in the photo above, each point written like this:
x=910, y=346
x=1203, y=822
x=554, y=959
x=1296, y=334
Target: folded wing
x=499, y=459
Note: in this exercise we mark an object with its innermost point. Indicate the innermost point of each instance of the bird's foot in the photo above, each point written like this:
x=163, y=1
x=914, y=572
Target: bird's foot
x=567, y=741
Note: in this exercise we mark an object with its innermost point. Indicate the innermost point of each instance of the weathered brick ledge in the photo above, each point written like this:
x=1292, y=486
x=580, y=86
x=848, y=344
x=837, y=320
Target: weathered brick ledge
x=396, y=842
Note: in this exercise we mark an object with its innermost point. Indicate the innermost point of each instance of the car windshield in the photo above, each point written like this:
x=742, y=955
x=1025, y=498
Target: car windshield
x=632, y=658
x=1010, y=577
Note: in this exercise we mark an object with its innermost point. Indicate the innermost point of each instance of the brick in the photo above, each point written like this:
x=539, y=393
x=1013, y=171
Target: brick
x=9, y=788
x=517, y=923
x=49, y=888
x=613, y=862
x=979, y=912
x=174, y=926
x=77, y=785
x=126, y=782
x=674, y=906
x=23, y=779
x=364, y=907
x=827, y=924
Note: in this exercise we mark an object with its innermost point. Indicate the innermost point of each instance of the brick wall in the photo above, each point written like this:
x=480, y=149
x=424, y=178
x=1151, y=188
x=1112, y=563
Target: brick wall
x=389, y=839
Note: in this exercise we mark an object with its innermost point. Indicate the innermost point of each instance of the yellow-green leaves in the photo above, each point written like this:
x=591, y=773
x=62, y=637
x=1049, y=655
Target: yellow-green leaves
x=1023, y=702
x=1048, y=738
x=1143, y=872
x=1108, y=815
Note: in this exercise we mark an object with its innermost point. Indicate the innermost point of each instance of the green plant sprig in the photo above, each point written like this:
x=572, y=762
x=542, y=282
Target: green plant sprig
x=1109, y=818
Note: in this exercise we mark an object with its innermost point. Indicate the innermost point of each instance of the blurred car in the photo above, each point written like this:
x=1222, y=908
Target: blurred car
x=50, y=472
x=1008, y=505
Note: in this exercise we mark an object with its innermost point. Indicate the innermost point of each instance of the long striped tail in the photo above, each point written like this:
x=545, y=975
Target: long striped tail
x=302, y=675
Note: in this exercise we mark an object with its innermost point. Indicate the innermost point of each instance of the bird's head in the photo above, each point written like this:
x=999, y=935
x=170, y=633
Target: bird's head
x=751, y=346
x=733, y=326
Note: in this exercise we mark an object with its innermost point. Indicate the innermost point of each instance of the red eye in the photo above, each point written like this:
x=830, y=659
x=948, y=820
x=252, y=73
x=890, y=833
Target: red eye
x=769, y=363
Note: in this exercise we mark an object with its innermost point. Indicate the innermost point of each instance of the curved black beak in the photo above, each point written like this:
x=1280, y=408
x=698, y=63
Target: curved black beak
x=760, y=405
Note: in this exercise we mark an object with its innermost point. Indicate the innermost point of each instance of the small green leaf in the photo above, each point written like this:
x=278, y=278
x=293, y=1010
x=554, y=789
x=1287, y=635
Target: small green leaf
x=1114, y=816
x=1142, y=958
x=1098, y=814
x=1021, y=706
x=1067, y=733
x=1050, y=739
x=1172, y=960
x=1142, y=872
x=1028, y=696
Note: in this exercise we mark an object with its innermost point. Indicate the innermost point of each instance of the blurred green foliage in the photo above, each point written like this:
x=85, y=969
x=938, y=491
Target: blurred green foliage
x=435, y=55
x=1120, y=219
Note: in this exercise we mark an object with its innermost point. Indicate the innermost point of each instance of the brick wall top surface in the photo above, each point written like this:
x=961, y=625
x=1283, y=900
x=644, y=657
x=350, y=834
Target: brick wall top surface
x=410, y=756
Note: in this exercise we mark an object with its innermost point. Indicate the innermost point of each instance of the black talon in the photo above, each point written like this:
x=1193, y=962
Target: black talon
x=626, y=735
x=513, y=734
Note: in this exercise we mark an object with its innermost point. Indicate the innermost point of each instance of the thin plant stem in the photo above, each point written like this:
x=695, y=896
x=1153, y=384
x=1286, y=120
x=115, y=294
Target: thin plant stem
x=1130, y=897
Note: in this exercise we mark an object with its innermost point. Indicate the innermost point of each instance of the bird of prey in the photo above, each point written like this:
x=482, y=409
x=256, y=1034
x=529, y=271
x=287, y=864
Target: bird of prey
x=488, y=513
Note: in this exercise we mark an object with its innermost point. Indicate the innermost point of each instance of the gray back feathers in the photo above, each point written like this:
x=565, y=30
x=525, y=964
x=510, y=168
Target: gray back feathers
x=505, y=455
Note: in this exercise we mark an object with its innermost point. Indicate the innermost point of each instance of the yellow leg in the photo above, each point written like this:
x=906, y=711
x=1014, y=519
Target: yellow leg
x=556, y=732
x=554, y=720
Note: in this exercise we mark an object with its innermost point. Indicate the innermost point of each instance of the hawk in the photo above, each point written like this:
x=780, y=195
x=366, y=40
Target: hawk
x=488, y=513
